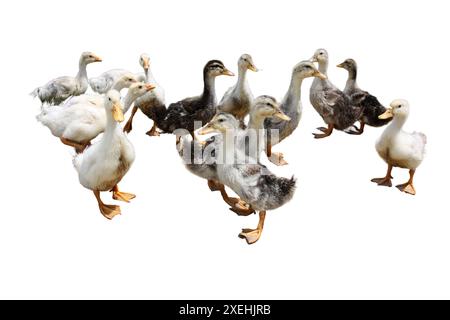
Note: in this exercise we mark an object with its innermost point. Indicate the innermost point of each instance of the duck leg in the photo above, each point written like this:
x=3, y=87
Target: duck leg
x=326, y=132
x=153, y=132
x=237, y=205
x=108, y=211
x=408, y=187
x=122, y=196
x=277, y=158
x=253, y=235
x=357, y=131
x=79, y=147
x=386, y=181
x=129, y=125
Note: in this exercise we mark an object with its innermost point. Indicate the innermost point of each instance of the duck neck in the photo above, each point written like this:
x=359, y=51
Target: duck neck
x=323, y=67
x=351, y=81
x=82, y=73
x=127, y=102
x=293, y=95
x=242, y=78
x=110, y=129
x=256, y=121
x=209, y=87
x=149, y=77
x=228, y=148
x=396, y=124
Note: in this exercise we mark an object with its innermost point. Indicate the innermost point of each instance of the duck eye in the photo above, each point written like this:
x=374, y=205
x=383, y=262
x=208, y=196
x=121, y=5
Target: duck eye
x=140, y=87
x=109, y=99
x=221, y=120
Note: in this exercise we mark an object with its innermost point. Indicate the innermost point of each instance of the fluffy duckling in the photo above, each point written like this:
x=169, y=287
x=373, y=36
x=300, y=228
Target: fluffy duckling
x=184, y=114
x=278, y=129
x=103, y=165
x=59, y=89
x=238, y=99
x=153, y=104
x=333, y=105
x=371, y=107
x=76, y=125
x=253, y=182
x=200, y=159
x=399, y=148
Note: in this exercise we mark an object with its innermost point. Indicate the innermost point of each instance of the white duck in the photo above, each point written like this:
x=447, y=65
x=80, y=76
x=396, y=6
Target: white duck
x=152, y=104
x=59, y=89
x=238, y=99
x=103, y=165
x=399, y=148
x=105, y=82
x=123, y=82
x=76, y=125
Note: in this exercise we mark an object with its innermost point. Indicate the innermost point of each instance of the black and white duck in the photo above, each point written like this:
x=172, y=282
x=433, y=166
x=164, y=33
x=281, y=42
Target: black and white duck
x=371, y=107
x=185, y=113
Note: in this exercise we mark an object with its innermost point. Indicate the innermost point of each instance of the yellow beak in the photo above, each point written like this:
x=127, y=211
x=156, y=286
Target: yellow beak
x=146, y=64
x=149, y=87
x=98, y=59
x=386, y=115
x=253, y=68
x=227, y=72
x=206, y=130
x=281, y=115
x=320, y=75
x=117, y=112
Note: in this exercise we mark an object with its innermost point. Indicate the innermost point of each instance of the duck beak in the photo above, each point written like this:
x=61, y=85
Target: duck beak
x=98, y=59
x=253, y=68
x=340, y=65
x=149, y=87
x=281, y=115
x=320, y=75
x=146, y=64
x=206, y=129
x=386, y=115
x=117, y=112
x=227, y=72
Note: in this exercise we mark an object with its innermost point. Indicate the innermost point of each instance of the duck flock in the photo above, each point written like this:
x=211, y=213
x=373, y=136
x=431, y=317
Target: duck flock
x=245, y=128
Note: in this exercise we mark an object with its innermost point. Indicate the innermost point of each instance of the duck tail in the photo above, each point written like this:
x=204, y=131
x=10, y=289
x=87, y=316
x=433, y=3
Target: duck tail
x=35, y=92
x=279, y=190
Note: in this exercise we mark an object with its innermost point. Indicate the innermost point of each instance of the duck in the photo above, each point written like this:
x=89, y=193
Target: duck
x=252, y=182
x=238, y=99
x=185, y=114
x=58, y=90
x=278, y=129
x=371, y=107
x=200, y=160
x=152, y=104
x=105, y=82
x=399, y=148
x=104, y=164
x=122, y=82
x=334, y=106
x=76, y=125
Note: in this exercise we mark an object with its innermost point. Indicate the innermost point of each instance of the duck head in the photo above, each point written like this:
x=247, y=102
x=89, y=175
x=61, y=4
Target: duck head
x=398, y=109
x=245, y=62
x=267, y=107
x=144, y=61
x=221, y=123
x=348, y=64
x=216, y=68
x=306, y=69
x=125, y=81
x=113, y=105
x=89, y=57
x=320, y=56
x=139, y=88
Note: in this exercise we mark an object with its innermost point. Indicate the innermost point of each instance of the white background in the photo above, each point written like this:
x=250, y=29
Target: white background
x=341, y=236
